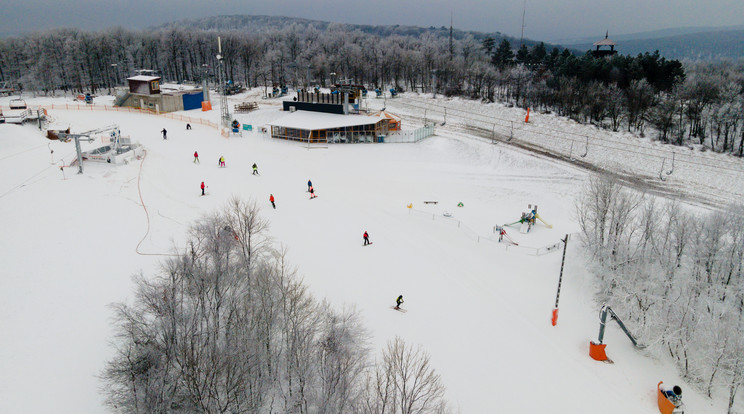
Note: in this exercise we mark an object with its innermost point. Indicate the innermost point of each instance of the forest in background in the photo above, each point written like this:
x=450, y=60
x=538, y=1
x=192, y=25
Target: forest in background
x=693, y=104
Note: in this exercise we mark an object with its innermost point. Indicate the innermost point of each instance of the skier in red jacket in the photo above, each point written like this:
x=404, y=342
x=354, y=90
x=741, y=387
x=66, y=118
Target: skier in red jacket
x=196, y=158
x=203, y=187
x=271, y=198
x=366, y=239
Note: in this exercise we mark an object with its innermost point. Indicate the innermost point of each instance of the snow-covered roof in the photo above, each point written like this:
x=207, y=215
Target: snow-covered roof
x=604, y=42
x=178, y=87
x=144, y=78
x=321, y=120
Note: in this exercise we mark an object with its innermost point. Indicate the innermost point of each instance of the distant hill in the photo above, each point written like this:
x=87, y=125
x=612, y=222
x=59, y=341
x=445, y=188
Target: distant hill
x=260, y=24
x=714, y=44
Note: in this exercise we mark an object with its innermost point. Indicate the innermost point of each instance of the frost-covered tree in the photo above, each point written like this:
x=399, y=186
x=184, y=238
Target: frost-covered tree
x=228, y=327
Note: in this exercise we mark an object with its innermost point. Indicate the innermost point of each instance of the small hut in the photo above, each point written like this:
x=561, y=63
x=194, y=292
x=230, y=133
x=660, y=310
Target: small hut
x=144, y=85
x=606, y=42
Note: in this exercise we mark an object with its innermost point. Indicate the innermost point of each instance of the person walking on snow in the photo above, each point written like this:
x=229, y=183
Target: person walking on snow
x=366, y=239
x=271, y=198
x=222, y=161
x=196, y=158
x=398, y=302
x=203, y=187
x=188, y=127
x=255, y=169
x=164, y=133
x=309, y=185
x=312, y=193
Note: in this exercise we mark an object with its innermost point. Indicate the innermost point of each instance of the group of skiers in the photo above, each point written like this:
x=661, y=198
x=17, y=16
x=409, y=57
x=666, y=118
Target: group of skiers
x=272, y=200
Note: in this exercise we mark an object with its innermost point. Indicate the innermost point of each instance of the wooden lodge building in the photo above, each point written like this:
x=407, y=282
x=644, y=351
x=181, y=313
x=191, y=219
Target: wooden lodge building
x=319, y=127
x=324, y=118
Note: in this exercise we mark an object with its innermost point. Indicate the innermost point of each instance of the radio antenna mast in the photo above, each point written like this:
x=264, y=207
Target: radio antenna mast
x=521, y=37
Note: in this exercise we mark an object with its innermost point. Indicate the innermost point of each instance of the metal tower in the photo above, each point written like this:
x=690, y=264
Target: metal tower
x=224, y=109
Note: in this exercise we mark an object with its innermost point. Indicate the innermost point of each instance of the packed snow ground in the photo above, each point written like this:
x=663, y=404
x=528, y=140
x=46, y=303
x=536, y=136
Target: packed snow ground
x=481, y=310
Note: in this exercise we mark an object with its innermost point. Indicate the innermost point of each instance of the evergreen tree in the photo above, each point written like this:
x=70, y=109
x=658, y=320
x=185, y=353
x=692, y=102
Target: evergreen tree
x=503, y=57
x=488, y=45
x=523, y=55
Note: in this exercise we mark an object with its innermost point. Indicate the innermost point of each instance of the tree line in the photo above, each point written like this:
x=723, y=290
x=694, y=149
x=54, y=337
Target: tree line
x=695, y=104
x=675, y=278
x=228, y=327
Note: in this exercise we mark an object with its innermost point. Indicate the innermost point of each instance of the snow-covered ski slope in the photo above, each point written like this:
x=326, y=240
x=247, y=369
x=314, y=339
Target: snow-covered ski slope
x=482, y=310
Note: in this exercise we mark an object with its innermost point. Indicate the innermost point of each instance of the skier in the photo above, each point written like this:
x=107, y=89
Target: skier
x=366, y=238
x=271, y=198
x=164, y=133
x=222, y=161
x=312, y=193
x=203, y=187
x=188, y=127
x=501, y=231
x=309, y=185
x=196, y=158
x=398, y=302
x=255, y=169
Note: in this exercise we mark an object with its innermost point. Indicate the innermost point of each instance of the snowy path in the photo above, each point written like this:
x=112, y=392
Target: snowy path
x=676, y=172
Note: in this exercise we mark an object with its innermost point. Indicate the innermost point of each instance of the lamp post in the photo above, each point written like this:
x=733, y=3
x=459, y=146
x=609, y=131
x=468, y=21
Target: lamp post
x=115, y=68
x=434, y=82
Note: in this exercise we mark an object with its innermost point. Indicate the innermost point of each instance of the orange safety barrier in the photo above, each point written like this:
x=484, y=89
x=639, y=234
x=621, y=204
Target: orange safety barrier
x=597, y=351
x=665, y=406
x=206, y=106
x=527, y=118
x=554, y=319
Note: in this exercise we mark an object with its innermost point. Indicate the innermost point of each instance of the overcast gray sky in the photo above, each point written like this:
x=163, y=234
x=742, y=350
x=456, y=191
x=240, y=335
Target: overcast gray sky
x=547, y=20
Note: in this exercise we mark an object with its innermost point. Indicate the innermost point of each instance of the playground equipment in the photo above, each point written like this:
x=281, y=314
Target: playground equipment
x=670, y=402
x=528, y=219
x=597, y=349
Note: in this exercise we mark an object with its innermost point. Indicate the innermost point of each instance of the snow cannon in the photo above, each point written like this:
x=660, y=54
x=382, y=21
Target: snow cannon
x=378, y=92
x=597, y=349
x=669, y=402
x=393, y=92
